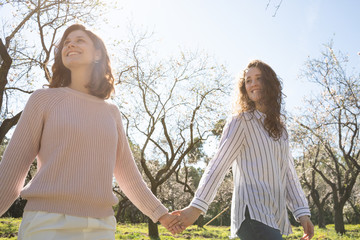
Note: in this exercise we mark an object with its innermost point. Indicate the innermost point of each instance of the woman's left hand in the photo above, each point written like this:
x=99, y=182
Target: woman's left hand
x=307, y=226
x=168, y=220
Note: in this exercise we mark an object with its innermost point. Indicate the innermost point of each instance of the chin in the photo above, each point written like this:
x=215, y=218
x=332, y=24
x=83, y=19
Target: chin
x=255, y=100
x=72, y=64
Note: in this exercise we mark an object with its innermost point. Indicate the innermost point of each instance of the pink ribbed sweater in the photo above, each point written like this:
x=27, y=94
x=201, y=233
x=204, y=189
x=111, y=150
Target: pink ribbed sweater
x=79, y=142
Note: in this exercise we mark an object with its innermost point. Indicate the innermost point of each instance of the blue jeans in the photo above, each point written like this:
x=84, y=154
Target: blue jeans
x=255, y=230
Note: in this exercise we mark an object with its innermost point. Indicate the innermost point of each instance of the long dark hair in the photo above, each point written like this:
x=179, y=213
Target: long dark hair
x=102, y=81
x=272, y=99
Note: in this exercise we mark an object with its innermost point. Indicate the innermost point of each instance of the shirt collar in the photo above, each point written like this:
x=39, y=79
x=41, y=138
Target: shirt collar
x=259, y=115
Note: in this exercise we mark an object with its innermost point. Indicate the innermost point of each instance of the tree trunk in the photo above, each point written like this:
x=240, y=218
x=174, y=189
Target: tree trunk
x=321, y=218
x=123, y=204
x=339, y=220
x=153, y=230
x=153, y=227
x=4, y=70
x=118, y=213
x=7, y=124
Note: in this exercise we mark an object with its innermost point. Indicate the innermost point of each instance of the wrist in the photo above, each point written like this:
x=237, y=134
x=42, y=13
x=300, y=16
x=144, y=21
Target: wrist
x=195, y=210
x=303, y=217
x=163, y=217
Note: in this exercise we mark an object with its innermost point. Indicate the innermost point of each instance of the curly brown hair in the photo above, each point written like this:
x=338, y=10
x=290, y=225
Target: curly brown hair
x=102, y=81
x=271, y=100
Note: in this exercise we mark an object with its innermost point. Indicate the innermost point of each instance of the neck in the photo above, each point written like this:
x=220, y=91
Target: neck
x=260, y=107
x=79, y=79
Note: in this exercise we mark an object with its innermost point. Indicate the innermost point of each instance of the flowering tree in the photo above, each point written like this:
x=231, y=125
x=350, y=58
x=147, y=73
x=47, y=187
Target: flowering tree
x=314, y=185
x=30, y=32
x=172, y=106
x=332, y=120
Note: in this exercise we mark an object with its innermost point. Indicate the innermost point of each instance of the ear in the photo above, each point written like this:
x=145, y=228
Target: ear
x=98, y=54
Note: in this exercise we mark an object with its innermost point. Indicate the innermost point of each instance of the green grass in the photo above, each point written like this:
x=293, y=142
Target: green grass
x=9, y=228
x=352, y=232
x=139, y=231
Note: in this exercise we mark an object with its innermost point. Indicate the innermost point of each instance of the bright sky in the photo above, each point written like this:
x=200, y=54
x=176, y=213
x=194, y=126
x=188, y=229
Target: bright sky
x=236, y=31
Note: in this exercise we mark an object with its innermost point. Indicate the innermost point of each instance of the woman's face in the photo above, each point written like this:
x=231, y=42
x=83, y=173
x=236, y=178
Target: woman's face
x=79, y=50
x=254, y=85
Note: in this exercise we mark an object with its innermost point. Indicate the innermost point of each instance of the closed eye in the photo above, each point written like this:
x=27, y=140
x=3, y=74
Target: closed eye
x=78, y=40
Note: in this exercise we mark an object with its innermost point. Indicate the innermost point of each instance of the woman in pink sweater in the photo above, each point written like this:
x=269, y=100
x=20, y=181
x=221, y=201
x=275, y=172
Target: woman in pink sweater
x=79, y=142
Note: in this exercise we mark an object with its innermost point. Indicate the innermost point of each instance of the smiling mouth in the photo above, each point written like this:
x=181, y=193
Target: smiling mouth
x=72, y=53
x=256, y=90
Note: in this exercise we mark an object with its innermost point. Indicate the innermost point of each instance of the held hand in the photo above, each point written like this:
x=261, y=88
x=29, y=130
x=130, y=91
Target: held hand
x=307, y=226
x=187, y=216
x=168, y=220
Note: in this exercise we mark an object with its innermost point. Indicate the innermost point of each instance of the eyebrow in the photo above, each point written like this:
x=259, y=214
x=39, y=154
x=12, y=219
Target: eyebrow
x=77, y=37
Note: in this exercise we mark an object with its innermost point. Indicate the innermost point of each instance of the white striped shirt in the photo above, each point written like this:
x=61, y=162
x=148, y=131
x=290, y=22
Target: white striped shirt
x=265, y=179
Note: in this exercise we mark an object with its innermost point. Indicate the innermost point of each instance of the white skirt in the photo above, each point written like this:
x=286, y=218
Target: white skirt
x=38, y=225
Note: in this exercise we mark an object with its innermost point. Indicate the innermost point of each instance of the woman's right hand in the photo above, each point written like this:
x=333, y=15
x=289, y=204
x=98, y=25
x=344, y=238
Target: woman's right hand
x=308, y=227
x=186, y=216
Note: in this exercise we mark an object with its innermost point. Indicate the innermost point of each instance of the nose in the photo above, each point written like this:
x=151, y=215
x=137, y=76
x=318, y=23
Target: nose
x=70, y=44
x=256, y=82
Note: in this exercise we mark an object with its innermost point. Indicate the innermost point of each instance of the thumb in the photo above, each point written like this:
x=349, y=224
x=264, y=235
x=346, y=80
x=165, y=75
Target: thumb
x=177, y=212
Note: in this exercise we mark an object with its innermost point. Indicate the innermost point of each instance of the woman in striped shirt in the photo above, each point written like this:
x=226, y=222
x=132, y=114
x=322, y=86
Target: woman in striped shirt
x=255, y=143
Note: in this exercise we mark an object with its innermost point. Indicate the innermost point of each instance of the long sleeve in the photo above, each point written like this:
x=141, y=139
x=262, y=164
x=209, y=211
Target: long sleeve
x=21, y=151
x=230, y=144
x=296, y=200
x=131, y=181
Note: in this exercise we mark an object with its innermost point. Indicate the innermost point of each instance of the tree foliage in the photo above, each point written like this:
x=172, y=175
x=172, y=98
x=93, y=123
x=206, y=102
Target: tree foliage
x=26, y=46
x=170, y=106
x=330, y=127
